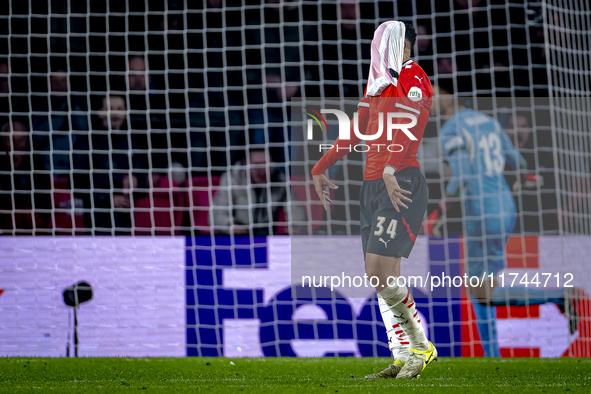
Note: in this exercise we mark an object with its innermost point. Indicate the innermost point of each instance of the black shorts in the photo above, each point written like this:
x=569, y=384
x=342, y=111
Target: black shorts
x=384, y=231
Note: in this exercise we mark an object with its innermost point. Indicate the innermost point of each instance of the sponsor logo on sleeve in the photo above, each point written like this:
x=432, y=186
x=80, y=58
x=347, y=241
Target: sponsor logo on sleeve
x=415, y=93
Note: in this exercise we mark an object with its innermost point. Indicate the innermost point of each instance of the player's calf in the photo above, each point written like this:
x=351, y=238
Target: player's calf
x=402, y=305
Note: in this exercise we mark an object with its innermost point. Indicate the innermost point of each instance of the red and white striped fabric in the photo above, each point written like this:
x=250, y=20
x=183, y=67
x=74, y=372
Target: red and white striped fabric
x=400, y=335
x=387, y=51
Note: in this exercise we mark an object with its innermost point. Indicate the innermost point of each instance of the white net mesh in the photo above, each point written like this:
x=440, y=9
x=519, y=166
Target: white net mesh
x=567, y=48
x=176, y=119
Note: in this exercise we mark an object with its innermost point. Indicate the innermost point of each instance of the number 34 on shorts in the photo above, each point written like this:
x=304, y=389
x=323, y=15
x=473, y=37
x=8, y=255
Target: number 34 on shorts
x=388, y=224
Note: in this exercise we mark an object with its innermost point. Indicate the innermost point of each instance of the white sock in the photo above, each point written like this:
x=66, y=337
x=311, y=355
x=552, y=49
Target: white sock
x=397, y=340
x=401, y=303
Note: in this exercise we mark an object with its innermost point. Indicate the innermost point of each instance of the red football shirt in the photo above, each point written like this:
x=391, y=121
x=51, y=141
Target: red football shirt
x=412, y=96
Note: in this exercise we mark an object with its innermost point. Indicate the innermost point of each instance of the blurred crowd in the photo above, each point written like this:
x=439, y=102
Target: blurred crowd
x=122, y=119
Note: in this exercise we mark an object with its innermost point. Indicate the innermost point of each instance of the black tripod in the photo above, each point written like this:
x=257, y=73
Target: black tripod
x=75, y=295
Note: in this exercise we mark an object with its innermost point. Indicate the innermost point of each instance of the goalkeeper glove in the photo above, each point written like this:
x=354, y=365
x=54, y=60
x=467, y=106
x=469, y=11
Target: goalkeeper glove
x=435, y=221
x=528, y=181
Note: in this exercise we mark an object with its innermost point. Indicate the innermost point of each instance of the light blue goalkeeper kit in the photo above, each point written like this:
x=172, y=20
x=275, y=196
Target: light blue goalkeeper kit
x=477, y=149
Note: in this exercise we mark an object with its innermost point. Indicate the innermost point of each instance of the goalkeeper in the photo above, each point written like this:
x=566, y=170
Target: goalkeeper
x=394, y=194
x=477, y=148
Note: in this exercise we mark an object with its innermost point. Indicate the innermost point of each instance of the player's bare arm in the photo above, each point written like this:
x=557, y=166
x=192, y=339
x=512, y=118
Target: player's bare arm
x=331, y=157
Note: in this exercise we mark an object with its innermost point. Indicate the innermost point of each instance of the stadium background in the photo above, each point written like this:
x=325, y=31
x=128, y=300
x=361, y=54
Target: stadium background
x=220, y=77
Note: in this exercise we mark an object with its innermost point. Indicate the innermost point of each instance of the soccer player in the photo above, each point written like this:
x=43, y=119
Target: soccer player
x=477, y=148
x=394, y=194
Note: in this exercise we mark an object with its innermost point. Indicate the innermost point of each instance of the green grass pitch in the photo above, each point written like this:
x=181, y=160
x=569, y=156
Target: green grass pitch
x=326, y=375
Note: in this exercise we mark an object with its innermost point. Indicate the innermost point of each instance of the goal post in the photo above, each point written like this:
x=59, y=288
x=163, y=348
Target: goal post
x=567, y=48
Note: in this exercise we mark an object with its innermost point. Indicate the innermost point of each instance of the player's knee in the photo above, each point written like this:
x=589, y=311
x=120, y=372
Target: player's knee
x=374, y=265
x=376, y=277
x=381, y=267
x=372, y=271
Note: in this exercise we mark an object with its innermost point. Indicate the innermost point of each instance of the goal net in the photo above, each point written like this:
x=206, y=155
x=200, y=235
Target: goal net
x=187, y=119
x=567, y=49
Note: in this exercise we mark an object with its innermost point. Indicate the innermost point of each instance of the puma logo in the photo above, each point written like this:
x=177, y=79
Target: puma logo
x=384, y=242
x=420, y=79
x=399, y=317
